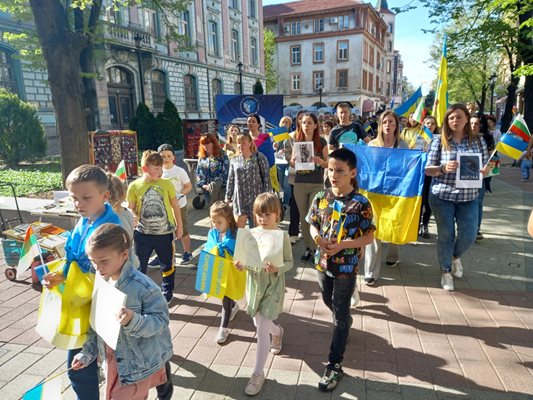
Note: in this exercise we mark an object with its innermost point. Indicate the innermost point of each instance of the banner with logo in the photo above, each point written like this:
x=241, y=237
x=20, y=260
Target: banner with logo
x=235, y=109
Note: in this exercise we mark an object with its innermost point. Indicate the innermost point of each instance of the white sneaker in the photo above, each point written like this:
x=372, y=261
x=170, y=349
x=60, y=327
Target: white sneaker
x=457, y=268
x=277, y=342
x=222, y=336
x=300, y=236
x=233, y=311
x=255, y=384
x=354, y=301
x=294, y=239
x=446, y=281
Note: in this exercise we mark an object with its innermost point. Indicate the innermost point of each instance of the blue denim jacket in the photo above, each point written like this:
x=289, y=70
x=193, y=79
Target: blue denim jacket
x=144, y=345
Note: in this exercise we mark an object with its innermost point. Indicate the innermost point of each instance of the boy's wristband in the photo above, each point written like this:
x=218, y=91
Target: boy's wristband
x=315, y=239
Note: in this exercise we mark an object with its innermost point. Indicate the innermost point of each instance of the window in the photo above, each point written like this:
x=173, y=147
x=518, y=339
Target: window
x=388, y=90
x=295, y=82
x=216, y=85
x=318, y=52
x=342, y=78
x=252, y=9
x=237, y=88
x=254, y=54
x=378, y=64
x=184, y=27
x=391, y=27
x=296, y=28
x=365, y=80
x=390, y=45
x=370, y=82
x=389, y=65
x=344, y=22
x=365, y=51
x=371, y=56
x=148, y=20
x=296, y=55
x=318, y=25
x=213, y=38
x=342, y=50
x=159, y=90
x=191, y=99
x=235, y=53
x=7, y=73
x=318, y=80
x=234, y=4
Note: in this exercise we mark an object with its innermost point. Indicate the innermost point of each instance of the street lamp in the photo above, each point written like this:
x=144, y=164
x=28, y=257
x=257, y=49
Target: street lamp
x=320, y=94
x=240, y=65
x=492, y=84
x=138, y=38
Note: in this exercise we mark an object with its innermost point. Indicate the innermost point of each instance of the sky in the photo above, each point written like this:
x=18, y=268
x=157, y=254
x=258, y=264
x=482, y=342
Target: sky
x=413, y=44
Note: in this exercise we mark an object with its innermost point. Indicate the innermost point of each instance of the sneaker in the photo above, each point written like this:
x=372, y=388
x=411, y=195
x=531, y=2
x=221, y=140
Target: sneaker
x=186, y=258
x=154, y=263
x=391, y=264
x=234, y=311
x=255, y=384
x=222, y=336
x=294, y=239
x=168, y=297
x=457, y=268
x=300, y=236
x=446, y=281
x=277, y=342
x=479, y=236
x=425, y=232
x=307, y=255
x=370, y=281
x=354, y=301
x=330, y=379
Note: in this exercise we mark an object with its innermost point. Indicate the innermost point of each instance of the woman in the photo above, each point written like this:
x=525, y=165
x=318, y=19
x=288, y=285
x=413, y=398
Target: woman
x=411, y=134
x=451, y=205
x=263, y=143
x=327, y=126
x=230, y=147
x=294, y=214
x=480, y=128
x=212, y=169
x=248, y=178
x=431, y=123
x=308, y=183
x=495, y=132
x=388, y=136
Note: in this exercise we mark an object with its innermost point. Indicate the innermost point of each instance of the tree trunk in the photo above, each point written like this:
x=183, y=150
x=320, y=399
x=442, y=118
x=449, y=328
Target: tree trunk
x=61, y=50
x=507, y=116
x=528, y=102
x=525, y=48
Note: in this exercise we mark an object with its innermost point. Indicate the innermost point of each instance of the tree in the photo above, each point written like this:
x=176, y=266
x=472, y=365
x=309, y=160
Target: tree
x=67, y=33
x=144, y=124
x=258, y=87
x=271, y=73
x=21, y=133
x=169, y=127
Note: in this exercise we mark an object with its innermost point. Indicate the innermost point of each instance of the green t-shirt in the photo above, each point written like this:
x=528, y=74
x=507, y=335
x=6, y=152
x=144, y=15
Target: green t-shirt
x=152, y=205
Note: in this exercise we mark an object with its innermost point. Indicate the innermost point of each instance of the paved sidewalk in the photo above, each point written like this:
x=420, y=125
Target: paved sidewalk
x=410, y=339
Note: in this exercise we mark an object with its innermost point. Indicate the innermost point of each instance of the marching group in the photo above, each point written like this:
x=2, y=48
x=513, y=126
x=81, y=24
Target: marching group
x=242, y=182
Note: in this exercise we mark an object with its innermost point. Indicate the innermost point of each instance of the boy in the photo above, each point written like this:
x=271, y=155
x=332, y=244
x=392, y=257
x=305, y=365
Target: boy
x=347, y=131
x=341, y=224
x=157, y=214
x=180, y=179
x=88, y=187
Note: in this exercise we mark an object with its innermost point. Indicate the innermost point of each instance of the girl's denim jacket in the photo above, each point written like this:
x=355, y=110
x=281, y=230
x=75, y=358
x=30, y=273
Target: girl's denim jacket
x=144, y=345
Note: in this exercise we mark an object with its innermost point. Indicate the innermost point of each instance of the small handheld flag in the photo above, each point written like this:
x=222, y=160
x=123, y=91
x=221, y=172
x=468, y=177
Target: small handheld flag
x=279, y=134
x=30, y=250
x=426, y=134
x=511, y=146
x=49, y=389
x=121, y=171
x=520, y=129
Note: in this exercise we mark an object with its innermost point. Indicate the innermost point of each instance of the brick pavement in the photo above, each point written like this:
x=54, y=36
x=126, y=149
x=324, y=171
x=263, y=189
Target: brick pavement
x=410, y=339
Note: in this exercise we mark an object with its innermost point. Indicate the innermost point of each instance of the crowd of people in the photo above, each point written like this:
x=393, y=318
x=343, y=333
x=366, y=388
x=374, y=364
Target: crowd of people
x=244, y=185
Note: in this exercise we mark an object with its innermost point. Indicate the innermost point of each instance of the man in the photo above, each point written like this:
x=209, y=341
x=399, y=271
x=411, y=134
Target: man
x=347, y=131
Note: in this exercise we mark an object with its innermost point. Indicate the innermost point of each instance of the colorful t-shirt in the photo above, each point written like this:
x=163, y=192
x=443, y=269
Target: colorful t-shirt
x=346, y=134
x=355, y=221
x=152, y=205
x=179, y=178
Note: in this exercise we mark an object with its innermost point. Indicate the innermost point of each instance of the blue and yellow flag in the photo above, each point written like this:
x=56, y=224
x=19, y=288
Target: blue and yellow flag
x=392, y=180
x=511, y=146
x=279, y=134
x=409, y=106
x=441, y=94
x=426, y=134
x=50, y=389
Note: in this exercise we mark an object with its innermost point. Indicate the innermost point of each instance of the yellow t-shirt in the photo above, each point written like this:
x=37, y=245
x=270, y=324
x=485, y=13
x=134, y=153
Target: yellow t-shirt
x=152, y=205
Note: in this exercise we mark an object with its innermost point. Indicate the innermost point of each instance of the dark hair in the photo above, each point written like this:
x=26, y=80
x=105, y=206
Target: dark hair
x=257, y=118
x=222, y=209
x=88, y=173
x=343, y=105
x=491, y=117
x=165, y=147
x=483, y=124
x=108, y=236
x=329, y=123
x=349, y=158
x=300, y=137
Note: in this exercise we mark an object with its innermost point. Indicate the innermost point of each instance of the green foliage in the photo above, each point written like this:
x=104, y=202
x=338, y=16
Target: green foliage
x=258, y=87
x=21, y=133
x=144, y=124
x=169, y=126
x=31, y=179
x=269, y=46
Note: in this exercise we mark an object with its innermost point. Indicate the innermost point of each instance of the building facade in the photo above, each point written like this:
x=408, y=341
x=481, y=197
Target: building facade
x=219, y=52
x=332, y=52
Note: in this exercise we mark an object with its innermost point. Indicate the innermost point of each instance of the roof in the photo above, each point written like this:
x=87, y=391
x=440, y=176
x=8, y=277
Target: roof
x=383, y=7
x=305, y=6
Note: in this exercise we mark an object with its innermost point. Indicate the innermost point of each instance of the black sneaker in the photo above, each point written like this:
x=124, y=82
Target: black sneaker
x=370, y=281
x=330, y=379
x=425, y=232
x=307, y=255
x=168, y=297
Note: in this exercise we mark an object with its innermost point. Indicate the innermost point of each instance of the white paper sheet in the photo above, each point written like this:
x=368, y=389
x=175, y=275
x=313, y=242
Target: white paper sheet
x=254, y=247
x=467, y=174
x=304, y=153
x=107, y=302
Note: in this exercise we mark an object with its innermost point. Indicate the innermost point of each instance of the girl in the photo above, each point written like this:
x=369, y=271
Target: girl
x=411, y=134
x=430, y=122
x=265, y=291
x=144, y=347
x=117, y=195
x=221, y=240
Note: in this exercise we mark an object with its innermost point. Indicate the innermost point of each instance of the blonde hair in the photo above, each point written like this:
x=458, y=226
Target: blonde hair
x=117, y=191
x=151, y=157
x=221, y=209
x=246, y=135
x=267, y=203
x=379, y=136
x=285, y=120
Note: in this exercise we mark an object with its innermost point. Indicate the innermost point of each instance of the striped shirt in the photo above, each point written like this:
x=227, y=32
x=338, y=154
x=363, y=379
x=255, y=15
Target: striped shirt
x=443, y=186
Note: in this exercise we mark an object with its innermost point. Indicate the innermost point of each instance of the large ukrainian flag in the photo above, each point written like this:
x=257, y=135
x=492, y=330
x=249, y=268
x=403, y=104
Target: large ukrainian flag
x=392, y=179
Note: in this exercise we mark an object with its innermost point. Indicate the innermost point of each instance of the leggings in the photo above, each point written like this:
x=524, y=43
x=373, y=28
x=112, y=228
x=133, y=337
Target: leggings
x=265, y=328
x=227, y=305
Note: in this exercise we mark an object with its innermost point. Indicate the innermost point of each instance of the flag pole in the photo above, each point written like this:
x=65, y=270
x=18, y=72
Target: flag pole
x=492, y=155
x=47, y=380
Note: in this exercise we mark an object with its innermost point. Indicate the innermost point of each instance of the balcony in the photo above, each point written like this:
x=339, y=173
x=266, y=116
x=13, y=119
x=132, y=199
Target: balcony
x=125, y=35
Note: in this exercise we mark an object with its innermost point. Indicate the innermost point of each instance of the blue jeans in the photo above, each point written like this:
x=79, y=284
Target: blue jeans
x=337, y=294
x=480, y=198
x=84, y=381
x=525, y=167
x=447, y=214
x=283, y=179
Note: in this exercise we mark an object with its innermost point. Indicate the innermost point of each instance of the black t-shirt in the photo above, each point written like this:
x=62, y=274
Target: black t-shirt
x=346, y=134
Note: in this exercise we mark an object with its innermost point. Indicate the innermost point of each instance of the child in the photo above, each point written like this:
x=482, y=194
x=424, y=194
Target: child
x=525, y=165
x=88, y=187
x=222, y=237
x=130, y=372
x=117, y=195
x=339, y=239
x=180, y=179
x=265, y=291
x=155, y=206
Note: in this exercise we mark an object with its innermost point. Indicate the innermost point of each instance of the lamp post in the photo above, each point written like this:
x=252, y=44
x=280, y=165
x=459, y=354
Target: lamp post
x=320, y=93
x=240, y=65
x=492, y=84
x=138, y=38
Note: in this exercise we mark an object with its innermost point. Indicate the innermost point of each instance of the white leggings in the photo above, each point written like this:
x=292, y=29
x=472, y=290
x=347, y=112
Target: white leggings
x=265, y=328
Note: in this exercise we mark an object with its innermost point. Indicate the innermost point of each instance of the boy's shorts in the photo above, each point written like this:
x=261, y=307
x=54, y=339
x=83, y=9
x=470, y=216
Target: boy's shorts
x=185, y=220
